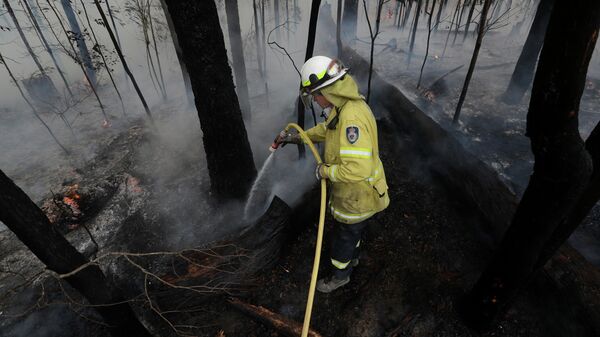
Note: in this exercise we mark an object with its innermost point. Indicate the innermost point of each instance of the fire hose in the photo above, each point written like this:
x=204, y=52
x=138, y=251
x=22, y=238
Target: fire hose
x=317, y=260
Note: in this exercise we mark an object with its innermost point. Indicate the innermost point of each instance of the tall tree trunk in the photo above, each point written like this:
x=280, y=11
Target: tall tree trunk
x=523, y=73
x=152, y=33
x=414, y=32
x=480, y=34
x=21, y=215
x=122, y=58
x=257, y=39
x=276, y=14
x=104, y=62
x=562, y=166
x=36, y=24
x=80, y=38
x=454, y=16
x=28, y=46
x=310, y=46
x=460, y=16
x=237, y=53
x=349, y=20
x=407, y=13
x=184, y=73
x=79, y=62
x=427, y=46
x=469, y=17
x=228, y=154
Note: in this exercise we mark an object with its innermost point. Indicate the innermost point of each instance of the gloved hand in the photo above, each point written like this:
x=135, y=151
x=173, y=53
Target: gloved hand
x=288, y=137
x=320, y=172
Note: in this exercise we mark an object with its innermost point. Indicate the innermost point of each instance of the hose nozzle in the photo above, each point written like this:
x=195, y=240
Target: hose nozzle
x=278, y=140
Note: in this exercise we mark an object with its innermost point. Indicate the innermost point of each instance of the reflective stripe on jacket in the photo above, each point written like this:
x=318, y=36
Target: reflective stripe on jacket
x=356, y=175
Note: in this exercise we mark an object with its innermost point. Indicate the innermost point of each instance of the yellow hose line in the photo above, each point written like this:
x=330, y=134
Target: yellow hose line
x=315, y=271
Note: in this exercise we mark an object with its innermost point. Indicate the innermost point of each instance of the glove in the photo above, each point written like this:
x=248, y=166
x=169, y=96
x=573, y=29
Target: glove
x=289, y=138
x=320, y=172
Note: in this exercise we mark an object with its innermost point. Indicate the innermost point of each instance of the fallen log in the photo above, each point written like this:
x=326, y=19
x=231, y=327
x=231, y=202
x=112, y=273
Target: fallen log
x=278, y=322
x=478, y=187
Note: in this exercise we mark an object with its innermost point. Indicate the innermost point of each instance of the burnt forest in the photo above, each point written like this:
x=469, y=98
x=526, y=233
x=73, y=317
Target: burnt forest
x=142, y=192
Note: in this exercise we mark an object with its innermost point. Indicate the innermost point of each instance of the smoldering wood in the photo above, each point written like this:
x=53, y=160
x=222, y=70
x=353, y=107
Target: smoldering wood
x=228, y=153
x=282, y=324
x=478, y=187
x=26, y=220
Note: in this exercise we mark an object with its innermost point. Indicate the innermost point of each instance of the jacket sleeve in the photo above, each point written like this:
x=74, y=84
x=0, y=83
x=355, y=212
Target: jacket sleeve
x=317, y=133
x=355, y=152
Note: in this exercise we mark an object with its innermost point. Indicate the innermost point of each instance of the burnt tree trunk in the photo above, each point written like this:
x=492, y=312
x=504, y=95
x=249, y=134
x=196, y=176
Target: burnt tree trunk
x=583, y=206
x=523, y=73
x=310, y=46
x=184, y=72
x=228, y=154
x=414, y=33
x=562, y=166
x=480, y=34
x=276, y=14
x=80, y=38
x=349, y=19
x=21, y=215
x=237, y=53
x=469, y=17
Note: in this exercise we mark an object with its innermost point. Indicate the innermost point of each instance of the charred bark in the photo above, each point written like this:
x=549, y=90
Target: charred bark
x=414, y=32
x=310, y=46
x=469, y=17
x=562, y=166
x=228, y=154
x=237, y=53
x=480, y=34
x=523, y=73
x=184, y=72
x=349, y=19
x=28, y=222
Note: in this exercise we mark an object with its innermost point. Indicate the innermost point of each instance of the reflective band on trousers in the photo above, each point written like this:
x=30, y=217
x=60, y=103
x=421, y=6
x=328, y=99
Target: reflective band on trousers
x=339, y=265
x=358, y=244
x=355, y=152
x=350, y=216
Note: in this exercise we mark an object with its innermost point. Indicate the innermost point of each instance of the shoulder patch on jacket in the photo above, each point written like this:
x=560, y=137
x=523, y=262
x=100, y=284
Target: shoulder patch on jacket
x=352, y=134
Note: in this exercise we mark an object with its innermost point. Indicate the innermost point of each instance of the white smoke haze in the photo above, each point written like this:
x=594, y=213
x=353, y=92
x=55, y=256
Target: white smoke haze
x=29, y=156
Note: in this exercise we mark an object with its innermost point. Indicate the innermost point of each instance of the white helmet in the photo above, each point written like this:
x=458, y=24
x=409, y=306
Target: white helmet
x=319, y=72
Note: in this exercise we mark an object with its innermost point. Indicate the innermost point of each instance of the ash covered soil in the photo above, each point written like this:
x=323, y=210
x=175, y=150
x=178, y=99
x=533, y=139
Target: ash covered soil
x=418, y=256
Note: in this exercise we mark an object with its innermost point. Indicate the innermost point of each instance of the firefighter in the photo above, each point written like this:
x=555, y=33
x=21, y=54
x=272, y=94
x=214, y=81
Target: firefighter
x=351, y=163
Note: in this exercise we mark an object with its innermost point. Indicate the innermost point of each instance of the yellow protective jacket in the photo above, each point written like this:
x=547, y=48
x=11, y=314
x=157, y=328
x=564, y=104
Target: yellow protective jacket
x=357, y=180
